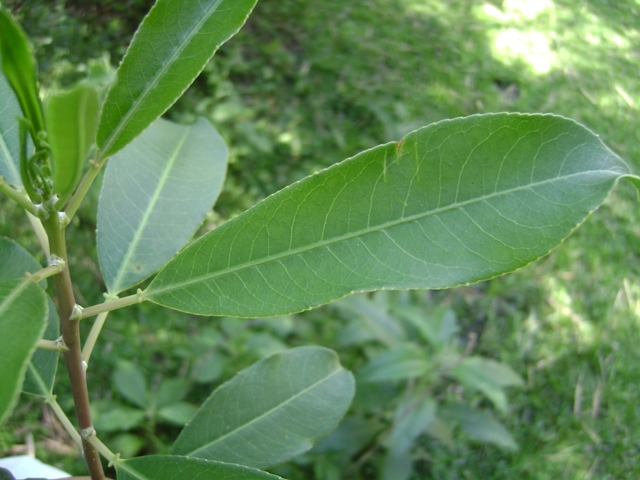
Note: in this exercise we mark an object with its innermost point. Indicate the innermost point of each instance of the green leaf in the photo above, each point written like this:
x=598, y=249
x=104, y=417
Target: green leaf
x=166, y=181
x=480, y=425
x=109, y=416
x=19, y=66
x=23, y=315
x=43, y=365
x=72, y=119
x=9, y=134
x=272, y=411
x=170, y=467
x=411, y=419
x=178, y=413
x=170, y=391
x=456, y=202
x=169, y=50
x=16, y=262
x=403, y=361
x=437, y=326
x=130, y=383
x=488, y=376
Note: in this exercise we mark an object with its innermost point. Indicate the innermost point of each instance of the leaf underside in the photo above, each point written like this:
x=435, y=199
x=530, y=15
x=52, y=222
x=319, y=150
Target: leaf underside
x=154, y=195
x=452, y=203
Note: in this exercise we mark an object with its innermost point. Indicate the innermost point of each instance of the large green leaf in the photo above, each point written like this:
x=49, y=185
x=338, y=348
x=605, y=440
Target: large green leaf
x=272, y=411
x=72, y=119
x=456, y=202
x=9, y=134
x=23, y=315
x=19, y=66
x=170, y=467
x=166, y=181
x=169, y=50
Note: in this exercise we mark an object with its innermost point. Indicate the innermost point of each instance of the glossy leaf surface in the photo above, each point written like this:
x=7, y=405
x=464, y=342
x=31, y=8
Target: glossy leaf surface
x=169, y=50
x=72, y=119
x=169, y=467
x=23, y=314
x=155, y=193
x=456, y=202
x=9, y=134
x=272, y=411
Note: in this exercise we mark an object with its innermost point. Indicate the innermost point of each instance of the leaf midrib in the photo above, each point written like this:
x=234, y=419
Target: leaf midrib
x=150, y=292
x=145, y=218
x=265, y=414
x=155, y=79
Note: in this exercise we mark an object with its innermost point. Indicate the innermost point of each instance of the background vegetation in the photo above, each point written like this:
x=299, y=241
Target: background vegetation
x=307, y=84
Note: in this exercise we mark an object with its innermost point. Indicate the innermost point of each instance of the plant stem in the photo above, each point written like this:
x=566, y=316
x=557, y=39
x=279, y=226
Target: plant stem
x=36, y=224
x=71, y=336
x=109, y=305
x=47, y=272
x=18, y=197
x=93, y=337
x=84, y=186
x=64, y=420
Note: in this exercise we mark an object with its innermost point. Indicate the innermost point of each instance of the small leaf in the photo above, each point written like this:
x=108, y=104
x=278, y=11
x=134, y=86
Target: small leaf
x=385, y=328
x=272, y=411
x=488, y=376
x=480, y=425
x=170, y=467
x=166, y=181
x=177, y=413
x=131, y=384
x=19, y=67
x=411, y=419
x=456, y=202
x=406, y=360
x=9, y=134
x=72, y=120
x=111, y=417
x=23, y=315
x=170, y=391
x=436, y=327
x=169, y=50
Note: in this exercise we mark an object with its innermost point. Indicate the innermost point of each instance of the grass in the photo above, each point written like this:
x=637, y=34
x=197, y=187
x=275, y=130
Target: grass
x=294, y=92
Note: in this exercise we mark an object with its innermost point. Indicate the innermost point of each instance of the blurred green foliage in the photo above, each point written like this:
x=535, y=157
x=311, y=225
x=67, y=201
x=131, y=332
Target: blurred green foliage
x=307, y=84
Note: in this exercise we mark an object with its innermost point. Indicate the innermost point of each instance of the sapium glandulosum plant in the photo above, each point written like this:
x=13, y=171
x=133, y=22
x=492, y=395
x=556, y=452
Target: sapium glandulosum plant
x=455, y=202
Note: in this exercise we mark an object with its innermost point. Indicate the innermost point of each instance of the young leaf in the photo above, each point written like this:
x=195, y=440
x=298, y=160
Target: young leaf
x=488, y=376
x=23, y=315
x=272, y=411
x=72, y=119
x=480, y=425
x=169, y=50
x=19, y=66
x=456, y=202
x=166, y=181
x=9, y=134
x=170, y=467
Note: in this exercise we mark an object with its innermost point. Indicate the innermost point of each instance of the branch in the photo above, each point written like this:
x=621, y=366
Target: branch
x=18, y=197
x=80, y=313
